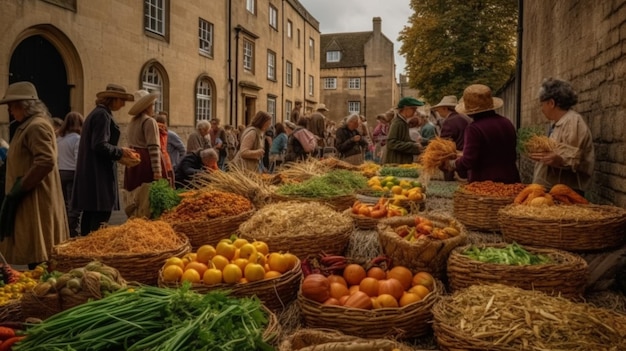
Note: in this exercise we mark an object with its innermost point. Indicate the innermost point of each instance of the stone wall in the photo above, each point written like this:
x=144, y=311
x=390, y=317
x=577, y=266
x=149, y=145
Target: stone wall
x=584, y=42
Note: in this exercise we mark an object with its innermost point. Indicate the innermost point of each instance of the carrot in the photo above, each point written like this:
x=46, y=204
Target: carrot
x=6, y=333
x=7, y=344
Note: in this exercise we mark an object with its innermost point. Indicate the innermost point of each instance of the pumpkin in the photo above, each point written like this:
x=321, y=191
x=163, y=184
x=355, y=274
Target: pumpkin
x=369, y=286
x=425, y=279
x=343, y=299
x=391, y=286
x=403, y=275
x=354, y=273
x=359, y=300
x=316, y=287
x=376, y=272
x=386, y=301
x=332, y=301
x=333, y=278
x=338, y=290
x=409, y=298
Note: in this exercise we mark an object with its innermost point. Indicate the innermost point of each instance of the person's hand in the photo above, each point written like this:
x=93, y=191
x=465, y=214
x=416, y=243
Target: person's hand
x=259, y=153
x=356, y=138
x=127, y=152
x=548, y=158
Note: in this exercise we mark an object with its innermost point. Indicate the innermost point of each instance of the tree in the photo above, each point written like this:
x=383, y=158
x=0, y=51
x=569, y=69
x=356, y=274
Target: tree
x=450, y=44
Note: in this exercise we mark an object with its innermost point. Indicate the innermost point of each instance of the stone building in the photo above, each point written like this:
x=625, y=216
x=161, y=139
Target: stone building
x=357, y=73
x=220, y=58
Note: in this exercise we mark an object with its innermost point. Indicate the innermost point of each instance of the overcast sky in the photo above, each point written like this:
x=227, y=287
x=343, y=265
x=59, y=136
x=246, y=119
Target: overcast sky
x=337, y=16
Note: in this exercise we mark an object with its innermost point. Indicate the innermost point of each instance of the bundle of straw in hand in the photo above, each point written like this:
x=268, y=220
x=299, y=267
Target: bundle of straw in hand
x=437, y=153
x=539, y=143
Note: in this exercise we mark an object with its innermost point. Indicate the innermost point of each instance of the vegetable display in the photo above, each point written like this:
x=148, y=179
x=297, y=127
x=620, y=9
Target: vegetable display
x=425, y=229
x=401, y=189
x=333, y=183
x=512, y=254
x=535, y=195
x=407, y=172
x=203, y=205
x=14, y=284
x=151, y=318
x=494, y=189
x=162, y=197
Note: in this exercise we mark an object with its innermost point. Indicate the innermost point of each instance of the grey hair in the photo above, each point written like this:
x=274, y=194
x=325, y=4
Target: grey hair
x=352, y=117
x=203, y=125
x=34, y=107
x=560, y=91
x=208, y=154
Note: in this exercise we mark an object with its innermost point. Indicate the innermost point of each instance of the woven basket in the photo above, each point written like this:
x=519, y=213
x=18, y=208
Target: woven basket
x=429, y=255
x=479, y=212
x=272, y=331
x=580, y=235
x=362, y=222
x=401, y=323
x=276, y=293
x=567, y=275
x=11, y=311
x=339, y=203
x=210, y=230
x=41, y=307
x=140, y=268
x=334, y=340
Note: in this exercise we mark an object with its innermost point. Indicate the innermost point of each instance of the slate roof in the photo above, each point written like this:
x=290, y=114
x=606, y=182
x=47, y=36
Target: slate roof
x=349, y=44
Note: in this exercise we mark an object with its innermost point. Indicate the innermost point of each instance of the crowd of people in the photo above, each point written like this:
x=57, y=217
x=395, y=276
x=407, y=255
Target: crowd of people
x=60, y=180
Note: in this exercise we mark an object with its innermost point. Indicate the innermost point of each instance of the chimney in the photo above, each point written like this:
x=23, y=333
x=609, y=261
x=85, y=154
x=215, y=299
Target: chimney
x=377, y=23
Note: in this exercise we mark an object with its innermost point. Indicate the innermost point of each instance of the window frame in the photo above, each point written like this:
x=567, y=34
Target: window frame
x=152, y=80
x=248, y=55
x=330, y=83
x=271, y=107
x=288, y=108
x=333, y=56
x=311, y=85
x=156, y=18
x=288, y=73
x=204, y=102
x=271, y=65
x=273, y=17
x=289, y=29
x=312, y=49
x=251, y=6
x=354, y=103
x=354, y=83
x=209, y=31
x=299, y=77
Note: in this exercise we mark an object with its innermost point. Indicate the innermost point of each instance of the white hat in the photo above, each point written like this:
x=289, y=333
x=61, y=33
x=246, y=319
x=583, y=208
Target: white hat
x=447, y=101
x=20, y=91
x=143, y=99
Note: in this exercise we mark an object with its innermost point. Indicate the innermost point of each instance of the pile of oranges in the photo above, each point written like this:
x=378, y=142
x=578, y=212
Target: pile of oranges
x=231, y=261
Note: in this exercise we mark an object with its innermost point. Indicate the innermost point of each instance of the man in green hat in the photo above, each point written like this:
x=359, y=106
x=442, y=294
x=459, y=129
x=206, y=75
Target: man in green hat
x=400, y=147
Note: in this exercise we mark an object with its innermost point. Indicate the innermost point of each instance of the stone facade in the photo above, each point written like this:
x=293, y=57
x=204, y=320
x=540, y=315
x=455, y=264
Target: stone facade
x=584, y=42
x=363, y=73
x=107, y=41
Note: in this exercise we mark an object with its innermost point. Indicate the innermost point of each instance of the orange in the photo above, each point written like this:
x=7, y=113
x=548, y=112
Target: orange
x=247, y=250
x=172, y=273
x=231, y=273
x=409, y=298
x=278, y=262
x=199, y=267
x=272, y=274
x=219, y=262
x=241, y=263
x=239, y=242
x=420, y=290
x=205, y=253
x=191, y=275
x=292, y=260
x=212, y=276
x=225, y=249
x=254, y=272
x=176, y=261
x=261, y=247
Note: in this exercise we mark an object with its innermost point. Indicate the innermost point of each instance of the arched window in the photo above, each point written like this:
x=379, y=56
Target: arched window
x=152, y=81
x=204, y=99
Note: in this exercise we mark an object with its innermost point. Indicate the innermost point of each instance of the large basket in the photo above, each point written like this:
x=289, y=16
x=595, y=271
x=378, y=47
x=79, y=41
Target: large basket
x=334, y=340
x=571, y=235
x=401, y=323
x=210, y=230
x=362, y=222
x=11, y=312
x=140, y=268
x=276, y=293
x=479, y=212
x=272, y=331
x=428, y=255
x=567, y=275
x=40, y=307
x=339, y=203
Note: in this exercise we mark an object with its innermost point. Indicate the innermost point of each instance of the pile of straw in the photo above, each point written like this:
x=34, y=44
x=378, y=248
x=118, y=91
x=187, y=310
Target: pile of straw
x=437, y=153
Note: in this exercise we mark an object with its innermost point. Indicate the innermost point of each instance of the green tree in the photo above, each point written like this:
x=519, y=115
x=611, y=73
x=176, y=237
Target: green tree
x=450, y=44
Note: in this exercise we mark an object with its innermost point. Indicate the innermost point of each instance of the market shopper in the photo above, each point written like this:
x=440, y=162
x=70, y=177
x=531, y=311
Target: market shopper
x=279, y=146
x=194, y=163
x=95, y=183
x=489, y=142
x=175, y=146
x=251, y=148
x=32, y=216
x=349, y=142
x=453, y=125
x=295, y=113
x=68, y=140
x=300, y=141
x=400, y=147
x=200, y=139
x=317, y=126
x=163, y=142
x=218, y=141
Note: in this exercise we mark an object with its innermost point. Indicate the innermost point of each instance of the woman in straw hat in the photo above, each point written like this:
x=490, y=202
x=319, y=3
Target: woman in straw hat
x=489, y=146
x=32, y=217
x=95, y=184
x=143, y=137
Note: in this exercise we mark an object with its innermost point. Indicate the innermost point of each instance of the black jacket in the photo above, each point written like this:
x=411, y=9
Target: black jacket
x=189, y=166
x=344, y=143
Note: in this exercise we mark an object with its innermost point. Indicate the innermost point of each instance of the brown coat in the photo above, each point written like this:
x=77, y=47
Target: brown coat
x=41, y=221
x=251, y=150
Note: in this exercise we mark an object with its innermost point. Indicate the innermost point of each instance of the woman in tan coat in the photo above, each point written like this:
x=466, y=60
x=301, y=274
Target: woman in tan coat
x=32, y=218
x=252, y=146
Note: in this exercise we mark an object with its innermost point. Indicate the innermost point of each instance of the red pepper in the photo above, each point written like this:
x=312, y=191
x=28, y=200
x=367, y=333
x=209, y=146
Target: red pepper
x=7, y=344
x=6, y=333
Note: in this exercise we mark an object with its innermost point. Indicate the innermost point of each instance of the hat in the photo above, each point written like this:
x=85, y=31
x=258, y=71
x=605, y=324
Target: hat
x=477, y=98
x=144, y=100
x=20, y=91
x=447, y=101
x=321, y=107
x=115, y=91
x=290, y=125
x=408, y=101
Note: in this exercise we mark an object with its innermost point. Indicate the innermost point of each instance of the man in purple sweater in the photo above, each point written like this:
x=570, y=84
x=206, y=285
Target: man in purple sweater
x=453, y=126
x=489, y=145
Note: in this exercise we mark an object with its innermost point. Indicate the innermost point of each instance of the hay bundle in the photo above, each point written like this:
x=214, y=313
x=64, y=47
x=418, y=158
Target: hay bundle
x=498, y=317
x=539, y=144
x=437, y=153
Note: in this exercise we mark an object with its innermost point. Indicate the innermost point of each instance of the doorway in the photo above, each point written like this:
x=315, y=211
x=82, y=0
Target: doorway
x=249, y=109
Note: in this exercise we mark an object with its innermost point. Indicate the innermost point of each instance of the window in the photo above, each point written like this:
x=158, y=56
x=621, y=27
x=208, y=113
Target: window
x=298, y=38
x=205, y=34
x=298, y=80
x=152, y=81
x=330, y=83
x=311, y=85
x=271, y=108
x=288, y=73
x=271, y=65
x=333, y=56
x=204, y=100
x=354, y=83
x=154, y=16
x=251, y=6
x=354, y=107
x=311, y=48
x=248, y=55
x=273, y=17
x=289, y=28
x=288, y=108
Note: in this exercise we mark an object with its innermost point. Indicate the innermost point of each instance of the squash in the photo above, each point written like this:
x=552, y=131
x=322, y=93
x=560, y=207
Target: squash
x=359, y=300
x=354, y=273
x=316, y=287
x=337, y=290
x=403, y=275
x=369, y=286
x=391, y=286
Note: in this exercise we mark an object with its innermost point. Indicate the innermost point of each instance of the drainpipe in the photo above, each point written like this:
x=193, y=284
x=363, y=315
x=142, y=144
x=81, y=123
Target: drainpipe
x=230, y=60
x=282, y=54
x=236, y=82
x=518, y=68
x=365, y=91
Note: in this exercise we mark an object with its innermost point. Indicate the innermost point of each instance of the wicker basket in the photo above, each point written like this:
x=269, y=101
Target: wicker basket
x=276, y=293
x=567, y=275
x=211, y=230
x=402, y=322
x=479, y=212
x=334, y=340
x=339, y=203
x=580, y=235
x=272, y=331
x=11, y=311
x=140, y=268
x=428, y=255
x=362, y=222
x=41, y=307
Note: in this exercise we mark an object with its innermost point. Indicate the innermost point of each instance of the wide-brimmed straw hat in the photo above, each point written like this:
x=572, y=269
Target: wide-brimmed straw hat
x=321, y=107
x=447, y=101
x=477, y=98
x=115, y=91
x=20, y=91
x=143, y=99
